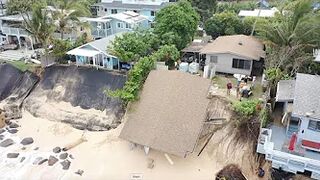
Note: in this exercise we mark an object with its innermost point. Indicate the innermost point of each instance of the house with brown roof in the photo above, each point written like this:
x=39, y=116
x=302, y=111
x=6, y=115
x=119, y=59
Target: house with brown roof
x=170, y=113
x=235, y=54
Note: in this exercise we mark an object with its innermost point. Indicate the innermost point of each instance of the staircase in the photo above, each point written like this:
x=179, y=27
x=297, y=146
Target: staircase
x=14, y=55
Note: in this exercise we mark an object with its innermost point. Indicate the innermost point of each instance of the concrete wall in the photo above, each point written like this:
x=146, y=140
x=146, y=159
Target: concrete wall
x=308, y=134
x=224, y=64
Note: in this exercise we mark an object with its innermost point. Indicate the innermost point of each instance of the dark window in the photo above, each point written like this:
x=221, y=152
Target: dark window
x=314, y=125
x=153, y=13
x=114, y=11
x=241, y=64
x=105, y=10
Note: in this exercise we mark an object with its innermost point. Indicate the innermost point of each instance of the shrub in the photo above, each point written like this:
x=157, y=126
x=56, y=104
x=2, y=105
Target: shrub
x=247, y=108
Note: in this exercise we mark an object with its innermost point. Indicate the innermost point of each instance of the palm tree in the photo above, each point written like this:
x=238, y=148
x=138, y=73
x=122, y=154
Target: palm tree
x=66, y=14
x=39, y=24
x=291, y=36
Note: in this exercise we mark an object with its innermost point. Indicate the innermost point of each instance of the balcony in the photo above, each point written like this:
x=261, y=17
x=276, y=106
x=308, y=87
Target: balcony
x=102, y=33
x=11, y=31
x=273, y=142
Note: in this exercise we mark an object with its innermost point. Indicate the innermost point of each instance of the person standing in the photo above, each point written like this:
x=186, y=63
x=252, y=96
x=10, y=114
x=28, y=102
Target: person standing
x=229, y=87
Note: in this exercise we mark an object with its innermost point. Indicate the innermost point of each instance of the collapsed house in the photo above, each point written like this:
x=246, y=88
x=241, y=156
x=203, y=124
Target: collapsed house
x=170, y=114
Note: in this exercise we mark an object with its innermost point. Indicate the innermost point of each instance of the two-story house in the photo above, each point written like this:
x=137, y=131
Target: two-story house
x=147, y=8
x=293, y=142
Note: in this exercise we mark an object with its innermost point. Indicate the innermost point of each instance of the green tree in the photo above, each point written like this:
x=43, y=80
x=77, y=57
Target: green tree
x=40, y=25
x=67, y=12
x=225, y=23
x=21, y=6
x=291, y=36
x=60, y=48
x=134, y=45
x=205, y=8
x=236, y=6
x=179, y=21
x=168, y=54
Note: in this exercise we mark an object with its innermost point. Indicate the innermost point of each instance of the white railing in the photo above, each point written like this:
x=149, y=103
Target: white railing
x=69, y=36
x=14, y=31
x=299, y=163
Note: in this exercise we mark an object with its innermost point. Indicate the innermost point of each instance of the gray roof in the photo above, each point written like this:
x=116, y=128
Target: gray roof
x=307, y=96
x=285, y=90
x=102, y=44
x=170, y=113
x=131, y=6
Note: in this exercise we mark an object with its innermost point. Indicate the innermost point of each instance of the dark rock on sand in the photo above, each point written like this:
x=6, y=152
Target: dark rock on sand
x=13, y=131
x=37, y=160
x=70, y=156
x=63, y=156
x=65, y=164
x=22, y=159
x=27, y=141
x=80, y=172
x=42, y=161
x=13, y=125
x=1, y=137
x=23, y=148
x=12, y=155
x=37, y=148
x=56, y=150
x=52, y=160
x=2, y=131
x=6, y=143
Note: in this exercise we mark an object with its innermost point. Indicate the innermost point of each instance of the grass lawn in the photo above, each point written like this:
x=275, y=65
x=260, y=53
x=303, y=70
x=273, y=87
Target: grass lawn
x=23, y=66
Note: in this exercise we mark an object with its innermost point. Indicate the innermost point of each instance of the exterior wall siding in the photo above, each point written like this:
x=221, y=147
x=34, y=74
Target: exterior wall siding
x=224, y=64
x=308, y=134
x=101, y=12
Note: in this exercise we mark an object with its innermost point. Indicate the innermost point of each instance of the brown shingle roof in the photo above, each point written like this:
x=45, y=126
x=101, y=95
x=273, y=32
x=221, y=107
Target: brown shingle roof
x=170, y=113
x=241, y=45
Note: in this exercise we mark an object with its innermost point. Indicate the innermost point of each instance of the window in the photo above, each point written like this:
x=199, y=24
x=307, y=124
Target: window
x=120, y=25
x=108, y=25
x=114, y=11
x=314, y=125
x=105, y=10
x=128, y=26
x=153, y=13
x=241, y=64
x=136, y=11
x=214, y=59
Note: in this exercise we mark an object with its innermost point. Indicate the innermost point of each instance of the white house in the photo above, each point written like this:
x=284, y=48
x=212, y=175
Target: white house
x=96, y=54
x=258, y=12
x=235, y=54
x=301, y=101
x=316, y=55
x=147, y=8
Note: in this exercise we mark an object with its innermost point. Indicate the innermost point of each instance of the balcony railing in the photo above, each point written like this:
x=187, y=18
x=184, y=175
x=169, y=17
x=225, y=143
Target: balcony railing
x=288, y=162
x=14, y=31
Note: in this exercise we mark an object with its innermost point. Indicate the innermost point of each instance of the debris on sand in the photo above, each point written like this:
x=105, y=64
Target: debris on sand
x=63, y=156
x=6, y=143
x=1, y=137
x=65, y=164
x=79, y=172
x=27, y=141
x=37, y=148
x=70, y=156
x=56, y=150
x=37, y=160
x=12, y=155
x=52, y=160
x=22, y=159
x=150, y=163
x=2, y=131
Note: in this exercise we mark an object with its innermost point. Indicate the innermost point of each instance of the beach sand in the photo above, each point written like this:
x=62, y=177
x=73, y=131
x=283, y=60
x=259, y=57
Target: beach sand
x=102, y=156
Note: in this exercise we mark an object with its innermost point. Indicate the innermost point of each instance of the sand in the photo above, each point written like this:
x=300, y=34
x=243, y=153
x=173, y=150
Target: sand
x=103, y=156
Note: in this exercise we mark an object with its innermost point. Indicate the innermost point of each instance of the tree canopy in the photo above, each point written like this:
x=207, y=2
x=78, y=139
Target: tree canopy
x=21, y=6
x=226, y=23
x=205, y=8
x=291, y=37
x=179, y=22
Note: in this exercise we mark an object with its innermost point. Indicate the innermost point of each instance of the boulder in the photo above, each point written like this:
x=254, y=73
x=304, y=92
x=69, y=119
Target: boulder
x=37, y=160
x=2, y=131
x=56, y=150
x=63, y=156
x=65, y=164
x=1, y=137
x=27, y=141
x=52, y=160
x=13, y=125
x=79, y=172
x=6, y=143
x=13, y=131
x=12, y=155
x=42, y=161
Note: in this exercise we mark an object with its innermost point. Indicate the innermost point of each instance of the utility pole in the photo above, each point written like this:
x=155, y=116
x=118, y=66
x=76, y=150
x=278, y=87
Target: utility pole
x=255, y=22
